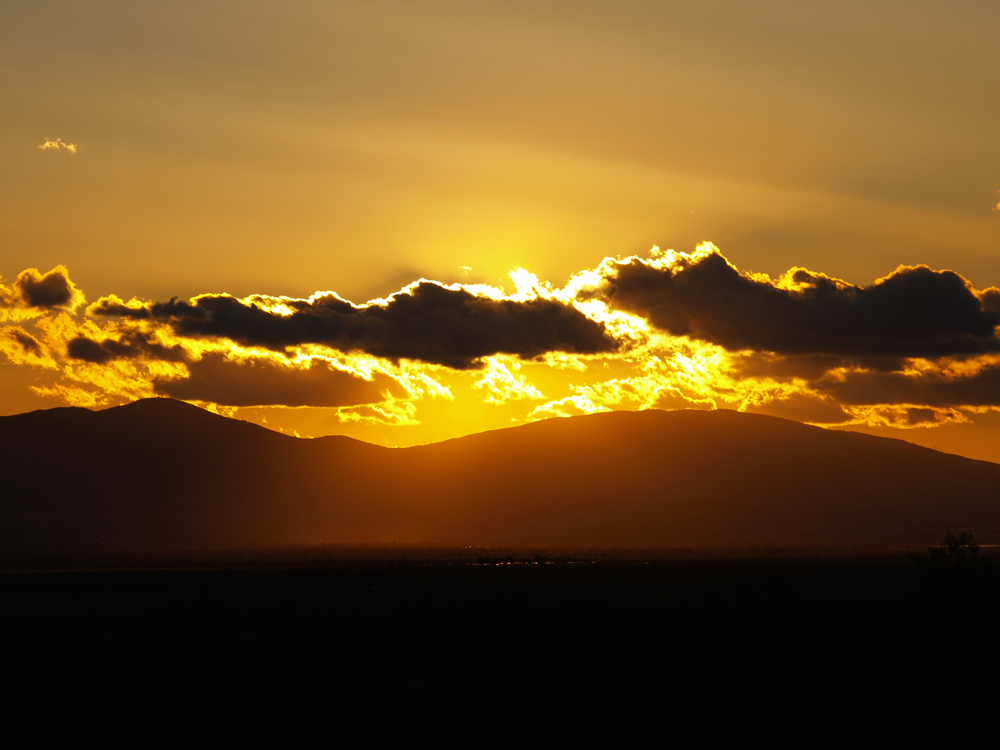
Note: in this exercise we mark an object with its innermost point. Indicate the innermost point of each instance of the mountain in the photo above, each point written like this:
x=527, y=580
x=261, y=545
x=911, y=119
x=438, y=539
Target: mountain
x=162, y=473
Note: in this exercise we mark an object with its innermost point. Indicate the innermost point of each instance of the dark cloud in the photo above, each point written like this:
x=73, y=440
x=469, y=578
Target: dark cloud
x=933, y=388
x=20, y=347
x=914, y=312
x=921, y=416
x=991, y=299
x=428, y=322
x=28, y=343
x=807, y=366
x=803, y=407
x=128, y=347
x=53, y=289
x=264, y=383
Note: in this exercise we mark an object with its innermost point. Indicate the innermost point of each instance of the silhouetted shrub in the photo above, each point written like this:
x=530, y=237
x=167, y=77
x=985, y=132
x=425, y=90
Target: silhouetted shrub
x=956, y=575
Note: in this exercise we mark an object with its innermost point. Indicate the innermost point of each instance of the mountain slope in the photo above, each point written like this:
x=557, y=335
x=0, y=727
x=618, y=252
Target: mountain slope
x=709, y=477
x=164, y=473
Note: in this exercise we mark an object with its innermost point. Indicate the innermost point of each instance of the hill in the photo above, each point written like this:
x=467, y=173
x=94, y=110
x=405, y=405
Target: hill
x=162, y=473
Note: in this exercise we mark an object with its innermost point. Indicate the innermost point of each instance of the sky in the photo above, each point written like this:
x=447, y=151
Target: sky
x=410, y=221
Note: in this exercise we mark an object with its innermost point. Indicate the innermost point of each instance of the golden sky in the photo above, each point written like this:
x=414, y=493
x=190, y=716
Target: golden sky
x=235, y=204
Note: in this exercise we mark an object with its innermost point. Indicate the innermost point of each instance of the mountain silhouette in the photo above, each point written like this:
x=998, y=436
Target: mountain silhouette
x=164, y=474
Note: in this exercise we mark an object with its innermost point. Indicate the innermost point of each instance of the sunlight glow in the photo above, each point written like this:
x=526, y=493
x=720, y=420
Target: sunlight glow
x=501, y=385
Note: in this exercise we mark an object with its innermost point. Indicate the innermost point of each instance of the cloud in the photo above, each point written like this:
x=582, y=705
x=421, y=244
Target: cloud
x=219, y=379
x=571, y=406
x=35, y=294
x=803, y=407
x=51, y=290
x=912, y=312
x=916, y=417
x=130, y=346
x=59, y=145
x=22, y=348
x=972, y=383
x=427, y=322
x=914, y=349
x=500, y=385
x=391, y=412
x=904, y=417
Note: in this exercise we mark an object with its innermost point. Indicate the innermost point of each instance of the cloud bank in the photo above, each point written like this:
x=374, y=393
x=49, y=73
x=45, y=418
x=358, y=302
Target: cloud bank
x=915, y=348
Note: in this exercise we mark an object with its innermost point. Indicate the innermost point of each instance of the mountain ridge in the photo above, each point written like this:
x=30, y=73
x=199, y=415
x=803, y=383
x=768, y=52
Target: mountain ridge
x=161, y=473
x=191, y=408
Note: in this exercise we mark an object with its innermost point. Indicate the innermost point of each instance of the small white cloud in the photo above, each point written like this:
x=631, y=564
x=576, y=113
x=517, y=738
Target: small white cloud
x=58, y=145
x=466, y=270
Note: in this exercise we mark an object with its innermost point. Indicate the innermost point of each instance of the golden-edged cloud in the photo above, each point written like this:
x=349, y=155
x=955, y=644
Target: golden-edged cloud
x=499, y=385
x=33, y=294
x=912, y=312
x=59, y=145
x=19, y=347
x=427, y=322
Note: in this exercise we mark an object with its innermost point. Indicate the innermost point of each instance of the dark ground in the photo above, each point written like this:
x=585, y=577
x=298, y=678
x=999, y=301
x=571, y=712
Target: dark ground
x=492, y=647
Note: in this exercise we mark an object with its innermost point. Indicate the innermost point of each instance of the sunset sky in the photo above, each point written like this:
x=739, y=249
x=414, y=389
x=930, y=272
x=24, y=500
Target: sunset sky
x=410, y=221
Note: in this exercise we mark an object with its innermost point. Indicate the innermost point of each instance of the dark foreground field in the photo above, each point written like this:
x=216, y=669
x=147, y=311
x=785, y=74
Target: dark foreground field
x=501, y=646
